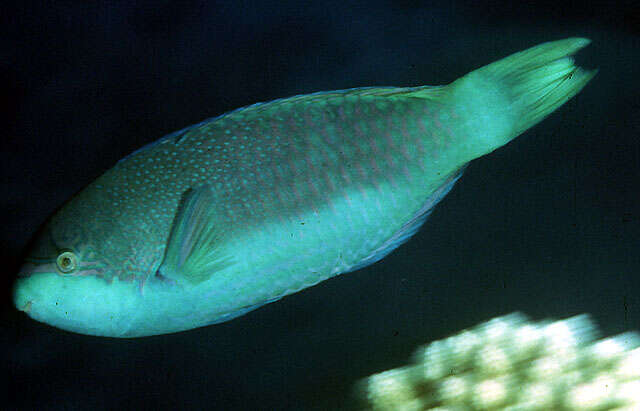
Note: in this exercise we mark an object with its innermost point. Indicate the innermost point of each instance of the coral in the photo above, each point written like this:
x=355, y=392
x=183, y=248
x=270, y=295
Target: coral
x=510, y=363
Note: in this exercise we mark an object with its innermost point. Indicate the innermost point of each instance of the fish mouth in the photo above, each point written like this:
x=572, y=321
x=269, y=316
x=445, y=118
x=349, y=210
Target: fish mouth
x=21, y=299
x=26, y=307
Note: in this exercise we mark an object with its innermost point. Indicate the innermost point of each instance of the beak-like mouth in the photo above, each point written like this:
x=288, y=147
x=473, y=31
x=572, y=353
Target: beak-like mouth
x=23, y=298
x=26, y=308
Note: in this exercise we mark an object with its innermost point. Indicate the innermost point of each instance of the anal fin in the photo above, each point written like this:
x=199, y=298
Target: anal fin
x=413, y=225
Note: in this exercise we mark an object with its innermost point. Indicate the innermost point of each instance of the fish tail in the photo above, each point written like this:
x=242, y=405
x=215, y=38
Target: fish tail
x=507, y=97
x=540, y=79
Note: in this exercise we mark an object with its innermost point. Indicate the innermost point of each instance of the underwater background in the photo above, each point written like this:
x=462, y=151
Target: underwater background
x=548, y=225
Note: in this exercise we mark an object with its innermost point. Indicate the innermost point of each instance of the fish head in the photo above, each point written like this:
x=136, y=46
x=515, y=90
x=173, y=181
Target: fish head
x=74, y=276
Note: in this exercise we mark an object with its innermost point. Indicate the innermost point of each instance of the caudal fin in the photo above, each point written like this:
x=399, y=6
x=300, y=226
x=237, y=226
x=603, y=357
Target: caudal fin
x=540, y=79
x=500, y=101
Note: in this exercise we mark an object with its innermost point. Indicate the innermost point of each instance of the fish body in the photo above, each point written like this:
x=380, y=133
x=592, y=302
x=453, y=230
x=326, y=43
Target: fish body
x=240, y=210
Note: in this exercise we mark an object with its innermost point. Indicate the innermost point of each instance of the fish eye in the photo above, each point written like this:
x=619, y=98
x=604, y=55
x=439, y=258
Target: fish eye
x=66, y=262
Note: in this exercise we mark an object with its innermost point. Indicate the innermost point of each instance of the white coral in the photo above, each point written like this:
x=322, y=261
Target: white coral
x=509, y=363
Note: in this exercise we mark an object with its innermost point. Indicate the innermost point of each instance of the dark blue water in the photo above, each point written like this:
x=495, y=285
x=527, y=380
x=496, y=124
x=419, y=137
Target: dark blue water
x=548, y=225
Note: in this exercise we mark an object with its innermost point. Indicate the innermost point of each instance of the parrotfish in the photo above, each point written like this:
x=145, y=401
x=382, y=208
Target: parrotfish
x=240, y=210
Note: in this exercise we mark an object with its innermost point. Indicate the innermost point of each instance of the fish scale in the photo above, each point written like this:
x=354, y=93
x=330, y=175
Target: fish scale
x=217, y=219
x=333, y=162
x=281, y=193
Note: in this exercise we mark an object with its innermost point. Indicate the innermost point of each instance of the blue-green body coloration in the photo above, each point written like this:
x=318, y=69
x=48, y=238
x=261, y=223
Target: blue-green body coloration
x=213, y=221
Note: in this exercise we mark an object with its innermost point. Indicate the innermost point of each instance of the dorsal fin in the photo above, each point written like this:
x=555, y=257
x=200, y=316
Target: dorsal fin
x=195, y=249
x=424, y=92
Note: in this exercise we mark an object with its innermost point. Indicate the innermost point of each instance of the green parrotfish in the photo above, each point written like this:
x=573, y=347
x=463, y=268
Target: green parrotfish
x=215, y=220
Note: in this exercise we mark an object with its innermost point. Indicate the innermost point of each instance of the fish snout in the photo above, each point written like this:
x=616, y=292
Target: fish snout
x=26, y=308
x=19, y=299
x=22, y=296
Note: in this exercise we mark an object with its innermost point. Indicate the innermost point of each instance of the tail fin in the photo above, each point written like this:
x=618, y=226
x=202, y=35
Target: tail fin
x=519, y=91
x=541, y=79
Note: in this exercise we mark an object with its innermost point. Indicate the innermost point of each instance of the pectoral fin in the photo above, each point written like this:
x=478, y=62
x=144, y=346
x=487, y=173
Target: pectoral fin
x=195, y=250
